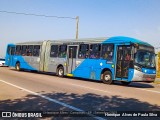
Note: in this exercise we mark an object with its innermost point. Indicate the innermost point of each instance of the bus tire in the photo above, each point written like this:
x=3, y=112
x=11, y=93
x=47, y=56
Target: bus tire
x=125, y=83
x=107, y=77
x=60, y=71
x=18, y=66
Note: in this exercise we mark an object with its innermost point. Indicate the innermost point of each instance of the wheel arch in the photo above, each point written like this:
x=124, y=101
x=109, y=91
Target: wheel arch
x=17, y=62
x=19, y=66
x=105, y=69
x=58, y=66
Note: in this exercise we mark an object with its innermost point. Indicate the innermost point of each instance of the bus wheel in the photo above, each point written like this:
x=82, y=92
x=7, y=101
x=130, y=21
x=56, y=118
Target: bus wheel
x=107, y=77
x=60, y=71
x=18, y=66
x=125, y=83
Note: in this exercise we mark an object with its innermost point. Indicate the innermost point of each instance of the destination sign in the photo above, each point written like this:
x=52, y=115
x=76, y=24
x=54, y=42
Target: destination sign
x=151, y=49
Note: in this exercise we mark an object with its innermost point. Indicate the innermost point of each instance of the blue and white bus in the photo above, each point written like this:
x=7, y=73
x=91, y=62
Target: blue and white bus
x=120, y=58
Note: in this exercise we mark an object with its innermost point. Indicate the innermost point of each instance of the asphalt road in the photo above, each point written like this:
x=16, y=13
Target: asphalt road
x=27, y=91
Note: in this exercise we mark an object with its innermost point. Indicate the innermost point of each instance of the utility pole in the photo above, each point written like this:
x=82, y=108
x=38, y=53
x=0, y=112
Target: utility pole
x=77, y=22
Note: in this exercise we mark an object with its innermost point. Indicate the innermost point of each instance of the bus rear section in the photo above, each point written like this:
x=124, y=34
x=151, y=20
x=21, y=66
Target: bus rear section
x=24, y=56
x=9, y=58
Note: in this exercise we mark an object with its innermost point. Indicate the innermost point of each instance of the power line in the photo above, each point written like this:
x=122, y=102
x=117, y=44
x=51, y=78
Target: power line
x=36, y=15
x=77, y=18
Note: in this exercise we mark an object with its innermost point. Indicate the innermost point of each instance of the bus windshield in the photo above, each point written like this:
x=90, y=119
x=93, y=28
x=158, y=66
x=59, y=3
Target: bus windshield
x=145, y=58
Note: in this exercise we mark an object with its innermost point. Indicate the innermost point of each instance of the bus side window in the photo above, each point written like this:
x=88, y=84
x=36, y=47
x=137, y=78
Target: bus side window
x=24, y=50
x=107, y=52
x=95, y=51
x=54, y=51
x=12, y=50
x=18, y=50
x=62, y=51
x=30, y=50
x=83, y=51
x=36, y=50
x=9, y=50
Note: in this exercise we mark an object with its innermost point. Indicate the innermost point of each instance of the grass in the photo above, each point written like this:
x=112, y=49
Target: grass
x=158, y=74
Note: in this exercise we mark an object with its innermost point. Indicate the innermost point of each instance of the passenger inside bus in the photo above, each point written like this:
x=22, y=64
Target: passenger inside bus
x=63, y=54
x=108, y=56
x=95, y=55
x=29, y=52
x=128, y=57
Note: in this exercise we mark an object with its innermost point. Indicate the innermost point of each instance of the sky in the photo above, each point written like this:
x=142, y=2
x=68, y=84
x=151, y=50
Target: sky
x=97, y=18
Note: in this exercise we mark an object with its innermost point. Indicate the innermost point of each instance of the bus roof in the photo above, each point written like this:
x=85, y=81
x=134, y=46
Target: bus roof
x=123, y=39
x=117, y=39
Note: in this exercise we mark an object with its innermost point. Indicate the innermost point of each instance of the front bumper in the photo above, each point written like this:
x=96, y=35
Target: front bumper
x=143, y=77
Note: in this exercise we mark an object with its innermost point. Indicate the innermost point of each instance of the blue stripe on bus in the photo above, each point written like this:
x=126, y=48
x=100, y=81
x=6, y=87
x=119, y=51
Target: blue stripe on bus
x=92, y=68
x=122, y=39
x=23, y=63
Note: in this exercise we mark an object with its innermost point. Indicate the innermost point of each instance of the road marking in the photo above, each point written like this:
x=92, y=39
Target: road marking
x=110, y=92
x=148, y=90
x=90, y=88
x=51, y=100
x=104, y=90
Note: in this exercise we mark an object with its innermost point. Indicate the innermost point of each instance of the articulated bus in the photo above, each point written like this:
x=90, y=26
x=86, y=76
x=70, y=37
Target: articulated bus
x=118, y=58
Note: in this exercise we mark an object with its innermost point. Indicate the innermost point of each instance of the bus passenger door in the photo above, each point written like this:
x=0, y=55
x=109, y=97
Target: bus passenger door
x=71, y=59
x=123, y=62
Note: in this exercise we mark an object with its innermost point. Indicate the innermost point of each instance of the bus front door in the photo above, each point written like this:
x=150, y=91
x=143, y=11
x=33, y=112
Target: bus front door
x=123, y=61
x=71, y=56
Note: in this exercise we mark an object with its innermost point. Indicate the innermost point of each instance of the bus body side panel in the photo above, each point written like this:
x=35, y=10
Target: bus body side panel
x=55, y=62
x=51, y=63
x=130, y=74
x=83, y=68
x=92, y=68
x=35, y=62
x=24, y=62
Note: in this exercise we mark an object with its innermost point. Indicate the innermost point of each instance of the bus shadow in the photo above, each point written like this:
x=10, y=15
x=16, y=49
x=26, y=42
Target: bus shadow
x=133, y=84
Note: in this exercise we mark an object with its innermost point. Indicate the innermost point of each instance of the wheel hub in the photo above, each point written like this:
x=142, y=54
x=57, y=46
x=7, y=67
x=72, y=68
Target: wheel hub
x=60, y=72
x=107, y=77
